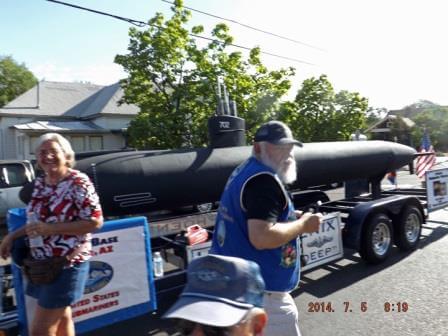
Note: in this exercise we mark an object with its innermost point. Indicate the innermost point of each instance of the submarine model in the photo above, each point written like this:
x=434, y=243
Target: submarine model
x=138, y=182
x=144, y=181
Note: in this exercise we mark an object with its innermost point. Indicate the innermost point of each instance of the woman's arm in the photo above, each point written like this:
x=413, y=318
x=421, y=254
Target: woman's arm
x=78, y=227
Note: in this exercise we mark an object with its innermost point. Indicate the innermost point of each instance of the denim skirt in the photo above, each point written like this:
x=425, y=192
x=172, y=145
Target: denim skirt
x=64, y=291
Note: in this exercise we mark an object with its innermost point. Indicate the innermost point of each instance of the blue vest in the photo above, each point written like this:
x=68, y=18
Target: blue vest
x=280, y=267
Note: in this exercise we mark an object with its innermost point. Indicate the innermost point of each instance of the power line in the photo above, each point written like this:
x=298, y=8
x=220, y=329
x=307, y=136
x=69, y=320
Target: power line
x=250, y=27
x=131, y=21
x=142, y=24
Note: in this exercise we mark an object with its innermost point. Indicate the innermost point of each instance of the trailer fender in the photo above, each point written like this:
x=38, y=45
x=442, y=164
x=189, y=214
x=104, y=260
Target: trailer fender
x=415, y=202
x=392, y=206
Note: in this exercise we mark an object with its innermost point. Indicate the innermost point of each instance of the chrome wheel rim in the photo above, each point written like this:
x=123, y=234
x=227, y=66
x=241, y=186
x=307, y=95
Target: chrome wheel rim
x=381, y=239
x=412, y=228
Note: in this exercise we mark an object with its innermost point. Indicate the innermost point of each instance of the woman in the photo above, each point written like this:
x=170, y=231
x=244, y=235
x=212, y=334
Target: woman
x=68, y=209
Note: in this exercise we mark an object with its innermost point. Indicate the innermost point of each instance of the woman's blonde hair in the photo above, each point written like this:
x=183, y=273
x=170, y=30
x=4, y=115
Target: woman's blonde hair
x=63, y=142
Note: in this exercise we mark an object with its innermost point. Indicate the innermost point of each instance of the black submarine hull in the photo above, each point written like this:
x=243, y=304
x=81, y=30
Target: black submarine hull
x=145, y=181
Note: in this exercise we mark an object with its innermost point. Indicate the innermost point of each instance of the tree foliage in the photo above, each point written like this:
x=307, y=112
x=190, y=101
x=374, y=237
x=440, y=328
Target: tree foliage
x=375, y=114
x=15, y=79
x=412, y=110
x=172, y=79
x=435, y=121
x=318, y=113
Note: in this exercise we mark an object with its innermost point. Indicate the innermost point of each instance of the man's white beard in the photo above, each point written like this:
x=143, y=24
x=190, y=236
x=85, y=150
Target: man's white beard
x=286, y=170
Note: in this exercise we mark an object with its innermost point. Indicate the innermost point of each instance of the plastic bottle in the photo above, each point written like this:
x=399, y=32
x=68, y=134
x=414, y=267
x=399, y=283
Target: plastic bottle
x=36, y=241
x=158, y=264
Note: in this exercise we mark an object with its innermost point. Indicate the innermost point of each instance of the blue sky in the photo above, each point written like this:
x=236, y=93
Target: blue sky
x=392, y=52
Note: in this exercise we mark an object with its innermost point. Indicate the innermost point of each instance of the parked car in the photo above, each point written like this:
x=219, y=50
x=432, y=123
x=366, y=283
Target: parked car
x=14, y=174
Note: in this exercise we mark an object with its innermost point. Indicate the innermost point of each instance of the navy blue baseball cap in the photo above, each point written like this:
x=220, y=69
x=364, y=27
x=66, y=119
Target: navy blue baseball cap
x=220, y=291
x=277, y=133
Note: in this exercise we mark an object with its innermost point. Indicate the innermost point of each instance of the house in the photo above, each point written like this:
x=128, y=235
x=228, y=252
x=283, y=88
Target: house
x=87, y=114
x=392, y=128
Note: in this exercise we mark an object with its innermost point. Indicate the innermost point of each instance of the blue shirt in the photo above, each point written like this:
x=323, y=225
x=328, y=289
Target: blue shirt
x=280, y=267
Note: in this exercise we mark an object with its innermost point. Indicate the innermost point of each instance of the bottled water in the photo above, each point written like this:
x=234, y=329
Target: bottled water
x=36, y=241
x=158, y=264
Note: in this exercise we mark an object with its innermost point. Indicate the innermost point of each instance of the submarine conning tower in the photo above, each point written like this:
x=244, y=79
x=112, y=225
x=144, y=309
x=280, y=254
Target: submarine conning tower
x=225, y=128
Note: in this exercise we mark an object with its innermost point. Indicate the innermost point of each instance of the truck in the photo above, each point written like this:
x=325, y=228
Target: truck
x=156, y=184
x=14, y=174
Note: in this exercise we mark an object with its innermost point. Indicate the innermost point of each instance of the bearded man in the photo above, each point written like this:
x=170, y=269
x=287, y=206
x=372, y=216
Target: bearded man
x=256, y=221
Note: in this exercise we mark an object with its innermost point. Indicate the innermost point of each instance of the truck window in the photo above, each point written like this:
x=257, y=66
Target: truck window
x=13, y=175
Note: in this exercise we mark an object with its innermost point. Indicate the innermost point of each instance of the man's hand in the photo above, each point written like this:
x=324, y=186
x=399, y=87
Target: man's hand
x=311, y=222
x=298, y=213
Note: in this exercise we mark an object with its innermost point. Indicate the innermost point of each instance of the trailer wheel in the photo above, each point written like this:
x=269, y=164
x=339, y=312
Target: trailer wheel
x=409, y=228
x=377, y=239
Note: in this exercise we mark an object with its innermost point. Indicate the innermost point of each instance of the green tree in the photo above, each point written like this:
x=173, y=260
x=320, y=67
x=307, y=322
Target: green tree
x=320, y=114
x=375, y=114
x=172, y=79
x=435, y=121
x=15, y=79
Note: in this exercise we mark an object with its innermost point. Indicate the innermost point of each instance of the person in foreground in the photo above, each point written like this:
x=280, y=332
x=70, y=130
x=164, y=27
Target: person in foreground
x=67, y=210
x=223, y=296
x=256, y=220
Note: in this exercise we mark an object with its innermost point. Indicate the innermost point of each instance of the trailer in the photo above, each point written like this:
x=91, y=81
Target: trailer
x=177, y=189
x=372, y=224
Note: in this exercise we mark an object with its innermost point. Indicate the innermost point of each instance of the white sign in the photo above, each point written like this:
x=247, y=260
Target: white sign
x=118, y=276
x=120, y=284
x=324, y=246
x=437, y=189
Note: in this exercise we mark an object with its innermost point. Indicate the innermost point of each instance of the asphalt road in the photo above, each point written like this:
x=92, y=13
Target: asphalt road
x=405, y=296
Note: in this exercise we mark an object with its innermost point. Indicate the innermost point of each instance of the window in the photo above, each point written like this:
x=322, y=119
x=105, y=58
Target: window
x=77, y=143
x=21, y=145
x=12, y=175
x=33, y=143
x=95, y=143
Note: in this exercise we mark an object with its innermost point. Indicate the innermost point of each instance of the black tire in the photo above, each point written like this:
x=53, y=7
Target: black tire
x=377, y=239
x=409, y=228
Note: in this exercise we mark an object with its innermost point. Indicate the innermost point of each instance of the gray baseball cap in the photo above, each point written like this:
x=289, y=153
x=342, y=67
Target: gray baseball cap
x=277, y=133
x=220, y=290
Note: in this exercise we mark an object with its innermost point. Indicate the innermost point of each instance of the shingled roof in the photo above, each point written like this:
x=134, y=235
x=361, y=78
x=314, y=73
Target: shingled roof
x=80, y=101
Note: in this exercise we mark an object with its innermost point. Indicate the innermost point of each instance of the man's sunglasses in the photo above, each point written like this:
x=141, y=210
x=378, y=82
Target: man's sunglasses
x=185, y=328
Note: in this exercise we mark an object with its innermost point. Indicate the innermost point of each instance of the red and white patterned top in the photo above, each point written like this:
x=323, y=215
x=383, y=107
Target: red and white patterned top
x=73, y=198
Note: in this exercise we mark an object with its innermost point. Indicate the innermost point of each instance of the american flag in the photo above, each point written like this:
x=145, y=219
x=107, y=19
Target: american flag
x=425, y=162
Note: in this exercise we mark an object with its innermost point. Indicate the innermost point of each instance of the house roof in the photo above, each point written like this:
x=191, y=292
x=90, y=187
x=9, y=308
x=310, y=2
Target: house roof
x=408, y=122
x=71, y=100
x=61, y=127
